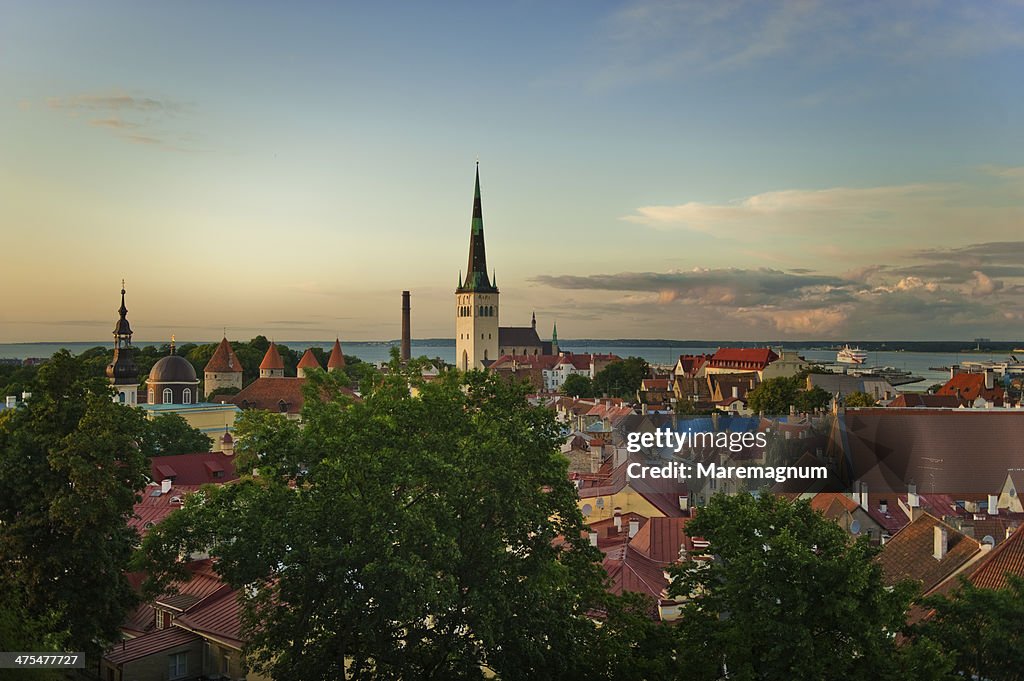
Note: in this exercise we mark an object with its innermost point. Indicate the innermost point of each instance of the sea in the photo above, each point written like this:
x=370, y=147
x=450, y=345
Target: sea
x=927, y=365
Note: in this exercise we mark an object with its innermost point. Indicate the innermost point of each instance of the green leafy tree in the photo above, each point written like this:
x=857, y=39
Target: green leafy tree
x=773, y=396
x=788, y=595
x=622, y=378
x=578, y=385
x=170, y=434
x=70, y=470
x=859, y=399
x=427, y=533
x=977, y=632
x=776, y=396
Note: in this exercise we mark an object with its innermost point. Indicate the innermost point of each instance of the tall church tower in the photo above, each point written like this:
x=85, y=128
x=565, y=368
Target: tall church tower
x=122, y=372
x=476, y=301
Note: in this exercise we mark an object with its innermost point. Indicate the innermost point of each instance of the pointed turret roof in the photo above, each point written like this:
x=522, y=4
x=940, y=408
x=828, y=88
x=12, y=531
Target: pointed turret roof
x=476, y=276
x=272, y=360
x=308, y=361
x=224, y=359
x=337, y=358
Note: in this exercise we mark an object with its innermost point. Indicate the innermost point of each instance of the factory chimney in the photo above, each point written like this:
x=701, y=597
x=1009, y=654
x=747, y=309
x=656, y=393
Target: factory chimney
x=406, y=333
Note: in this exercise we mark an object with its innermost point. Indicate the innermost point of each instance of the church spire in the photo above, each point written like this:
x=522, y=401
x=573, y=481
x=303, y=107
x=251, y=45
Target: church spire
x=476, y=275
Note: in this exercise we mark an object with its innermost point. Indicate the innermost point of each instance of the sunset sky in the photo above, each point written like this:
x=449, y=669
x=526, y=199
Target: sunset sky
x=705, y=170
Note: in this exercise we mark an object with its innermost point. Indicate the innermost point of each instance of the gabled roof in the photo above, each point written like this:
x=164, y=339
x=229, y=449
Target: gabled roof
x=216, y=617
x=194, y=469
x=309, y=361
x=152, y=510
x=279, y=394
x=224, y=360
x=909, y=554
x=969, y=387
x=742, y=357
x=152, y=643
x=272, y=360
x=518, y=336
x=337, y=358
x=1007, y=557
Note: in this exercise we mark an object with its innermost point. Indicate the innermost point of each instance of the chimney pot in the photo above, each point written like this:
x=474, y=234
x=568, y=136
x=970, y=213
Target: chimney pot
x=940, y=542
x=993, y=504
x=165, y=486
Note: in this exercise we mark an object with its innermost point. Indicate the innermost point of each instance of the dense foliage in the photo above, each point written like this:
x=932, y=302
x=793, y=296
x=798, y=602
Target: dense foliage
x=621, y=378
x=776, y=396
x=578, y=385
x=70, y=470
x=788, y=595
x=169, y=434
x=429, y=533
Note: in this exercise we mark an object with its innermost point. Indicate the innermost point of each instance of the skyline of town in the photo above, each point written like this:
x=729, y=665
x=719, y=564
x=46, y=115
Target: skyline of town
x=652, y=170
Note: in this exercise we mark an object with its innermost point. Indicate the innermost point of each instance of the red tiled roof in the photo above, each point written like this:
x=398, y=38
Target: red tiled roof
x=149, y=644
x=1007, y=557
x=971, y=386
x=194, y=469
x=742, y=357
x=217, y=617
x=152, y=510
x=269, y=393
x=909, y=554
x=824, y=501
x=654, y=384
x=272, y=360
x=337, y=358
x=224, y=360
x=309, y=361
x=691, y=364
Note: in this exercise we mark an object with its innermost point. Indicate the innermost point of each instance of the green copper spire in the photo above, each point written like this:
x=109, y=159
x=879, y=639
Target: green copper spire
x=476, y=274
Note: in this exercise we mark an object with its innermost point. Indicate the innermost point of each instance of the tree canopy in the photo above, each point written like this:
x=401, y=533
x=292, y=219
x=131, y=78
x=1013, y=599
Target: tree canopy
x=788, y=595
x=621, y=378
x=775, y=396
x=70, y=470
x=427, y=536
x=170, y=434
x=578, y=385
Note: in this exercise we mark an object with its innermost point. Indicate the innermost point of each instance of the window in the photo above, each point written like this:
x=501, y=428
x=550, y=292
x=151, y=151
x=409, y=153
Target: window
x=186, y=396
x=177, y=665
x=120, y=397
x=152, y=396
x=168, y=396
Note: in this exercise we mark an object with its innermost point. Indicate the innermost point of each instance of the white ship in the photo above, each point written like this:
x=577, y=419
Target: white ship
x=850, y=355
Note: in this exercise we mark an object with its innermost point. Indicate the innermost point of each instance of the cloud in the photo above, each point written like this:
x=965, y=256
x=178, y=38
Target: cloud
x=115, y=123
x=840, y=221
x=133, y=118
x=877, y=301
x=113, y=102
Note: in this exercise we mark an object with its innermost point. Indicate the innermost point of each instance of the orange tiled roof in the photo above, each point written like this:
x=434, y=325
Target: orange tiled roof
x=224, y=359
x=272, y=360
x=337, y=358
x=971, y=386
x=309, y=361
x=909, y=554
x=1007, y=557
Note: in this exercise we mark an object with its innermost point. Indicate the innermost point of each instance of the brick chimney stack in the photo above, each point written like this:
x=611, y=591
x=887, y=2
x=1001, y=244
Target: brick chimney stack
x=406, y=331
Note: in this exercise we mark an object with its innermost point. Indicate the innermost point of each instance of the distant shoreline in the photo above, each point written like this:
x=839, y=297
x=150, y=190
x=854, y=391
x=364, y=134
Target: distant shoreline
x=955, y=346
